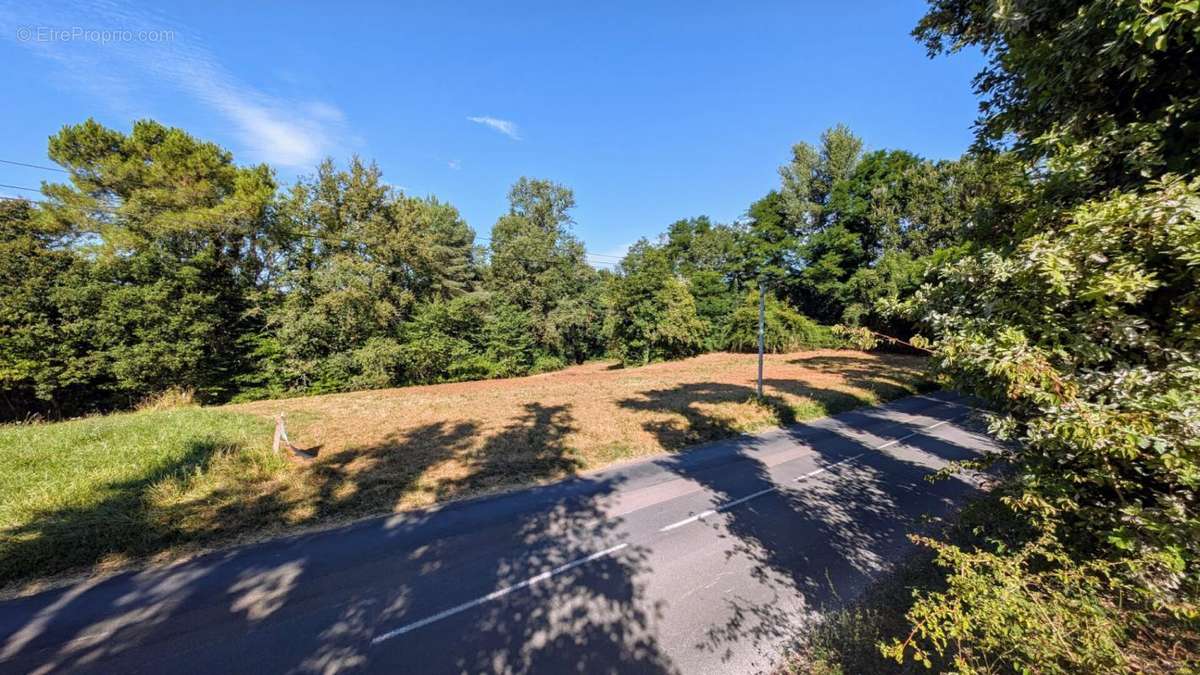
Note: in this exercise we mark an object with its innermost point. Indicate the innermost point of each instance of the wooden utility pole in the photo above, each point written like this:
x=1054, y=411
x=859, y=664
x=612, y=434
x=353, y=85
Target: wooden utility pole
x=762, y=330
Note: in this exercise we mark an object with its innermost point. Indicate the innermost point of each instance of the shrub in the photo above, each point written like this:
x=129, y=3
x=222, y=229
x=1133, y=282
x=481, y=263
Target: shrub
x=651, y=312
x=379, y=362
x=169, y=399
x=1085, y=337
x=471, y=367
x=508, y=341
x=1031, y=607
x=428, y=358
x=1079, y=319
x=546, y=363
x=785, y=329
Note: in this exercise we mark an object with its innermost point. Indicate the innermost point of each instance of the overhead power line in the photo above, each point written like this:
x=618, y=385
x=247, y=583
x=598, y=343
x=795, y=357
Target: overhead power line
x=34, y=166
x=18, y=187
x=341, y=240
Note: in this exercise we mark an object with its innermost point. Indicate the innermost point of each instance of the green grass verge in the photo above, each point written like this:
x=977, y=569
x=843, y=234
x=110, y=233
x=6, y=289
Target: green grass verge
x=80, y=493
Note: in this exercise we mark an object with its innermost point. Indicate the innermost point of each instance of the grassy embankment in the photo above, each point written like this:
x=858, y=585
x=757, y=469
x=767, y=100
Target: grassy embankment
x=98, y=492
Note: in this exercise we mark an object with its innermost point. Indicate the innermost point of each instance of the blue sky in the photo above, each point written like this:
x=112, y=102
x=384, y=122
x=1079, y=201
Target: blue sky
x=649, y=111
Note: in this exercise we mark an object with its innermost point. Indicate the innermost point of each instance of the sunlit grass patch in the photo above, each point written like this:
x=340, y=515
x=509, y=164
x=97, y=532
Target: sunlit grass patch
x=82, y=492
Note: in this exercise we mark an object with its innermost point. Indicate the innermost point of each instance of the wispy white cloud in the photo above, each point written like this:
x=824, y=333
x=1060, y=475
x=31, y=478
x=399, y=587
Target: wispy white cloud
x=503, y=126
x=283, y=131
x=454, y=164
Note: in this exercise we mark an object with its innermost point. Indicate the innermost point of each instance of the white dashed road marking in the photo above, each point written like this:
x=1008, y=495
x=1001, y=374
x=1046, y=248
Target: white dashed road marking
x=499, y=593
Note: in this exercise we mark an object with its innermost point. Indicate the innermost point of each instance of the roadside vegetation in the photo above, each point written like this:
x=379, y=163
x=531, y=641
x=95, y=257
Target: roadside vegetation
x=846, y=639
x=98, y=492
x=1076, y=314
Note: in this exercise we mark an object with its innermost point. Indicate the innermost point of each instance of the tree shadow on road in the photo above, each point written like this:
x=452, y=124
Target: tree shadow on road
x=815, y=543
x=314, y=603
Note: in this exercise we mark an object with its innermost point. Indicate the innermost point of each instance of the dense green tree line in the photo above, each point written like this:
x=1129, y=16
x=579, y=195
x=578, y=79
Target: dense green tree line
x=161, y=263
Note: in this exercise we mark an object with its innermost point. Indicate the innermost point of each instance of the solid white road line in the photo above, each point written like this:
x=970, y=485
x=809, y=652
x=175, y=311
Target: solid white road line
x=729, y=505
x=495, y=594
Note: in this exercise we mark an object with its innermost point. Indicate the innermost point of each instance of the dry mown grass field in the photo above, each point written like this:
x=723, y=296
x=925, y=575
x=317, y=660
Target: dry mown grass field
x=97, y=492
x=451, y=440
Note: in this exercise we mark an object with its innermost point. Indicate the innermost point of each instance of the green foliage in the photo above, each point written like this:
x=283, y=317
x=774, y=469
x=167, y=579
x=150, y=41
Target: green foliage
x=538, y=265
x=715, y=298
x=151, y=267
x=40, y=363
x=832, y=256
x=786, y=329
x=872, y=291
x=897, y=202
x=162, y=265
x=846, y=230
x=377, y=363
x=435, y=340
x=1031, y=608
x=264, y=376
x=679, y=331
x=710, y=257
x=547, y=364
x=358, y=259
x=698, y=244
x=1107, y=91
x=814, y=175
x=572, y=329
x=1077, y=317
x=769, y=242
x=508, y=340
x=1088, y=333
x=651, y=312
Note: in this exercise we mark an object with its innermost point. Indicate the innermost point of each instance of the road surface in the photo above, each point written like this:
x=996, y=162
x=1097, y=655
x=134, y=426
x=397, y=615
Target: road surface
x=698, y=562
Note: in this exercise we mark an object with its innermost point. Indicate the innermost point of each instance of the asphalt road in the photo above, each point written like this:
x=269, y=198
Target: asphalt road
x=700, y=562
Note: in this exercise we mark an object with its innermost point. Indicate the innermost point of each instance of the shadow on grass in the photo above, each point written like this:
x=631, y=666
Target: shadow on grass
x=315, y=603
x=136, y=520
x=530, y=449
x=699, y=425
x=119, y=523
x=318, y=602
x=867, y=375
x=694, y=402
